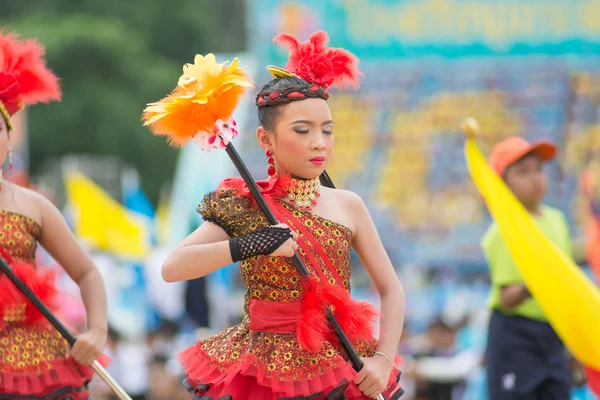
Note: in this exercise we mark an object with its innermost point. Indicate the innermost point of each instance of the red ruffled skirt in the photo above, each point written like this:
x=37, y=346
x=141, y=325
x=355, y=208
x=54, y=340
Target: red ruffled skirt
x=241, y=363
x=33, y=355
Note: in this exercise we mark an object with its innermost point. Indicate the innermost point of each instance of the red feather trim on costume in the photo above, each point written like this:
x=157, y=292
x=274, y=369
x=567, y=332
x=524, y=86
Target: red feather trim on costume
x=312, y=324
x=12, y=301
x=316, y=63
x=271, y=189
x=24, y=77
x=355, y=317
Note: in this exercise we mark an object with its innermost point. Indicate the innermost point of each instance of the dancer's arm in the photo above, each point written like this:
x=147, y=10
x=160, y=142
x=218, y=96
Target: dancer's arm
x=59, y=241
x=374, y=258
x=206, y=250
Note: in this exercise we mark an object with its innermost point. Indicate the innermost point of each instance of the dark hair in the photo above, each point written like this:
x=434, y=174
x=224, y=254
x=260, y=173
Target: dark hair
x=531, y=154
x=286, y=90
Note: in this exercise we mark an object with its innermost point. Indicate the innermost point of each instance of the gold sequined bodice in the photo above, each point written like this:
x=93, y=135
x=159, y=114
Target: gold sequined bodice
x=19, y=235
x=279, y=355
x=275, y=278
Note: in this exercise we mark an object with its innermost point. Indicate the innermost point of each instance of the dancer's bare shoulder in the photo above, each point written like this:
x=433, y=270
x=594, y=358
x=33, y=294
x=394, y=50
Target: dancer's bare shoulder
x=342, y=206
x=23, y=201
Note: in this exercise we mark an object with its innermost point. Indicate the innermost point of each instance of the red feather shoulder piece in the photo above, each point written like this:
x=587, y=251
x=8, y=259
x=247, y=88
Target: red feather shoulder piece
x=316, y=63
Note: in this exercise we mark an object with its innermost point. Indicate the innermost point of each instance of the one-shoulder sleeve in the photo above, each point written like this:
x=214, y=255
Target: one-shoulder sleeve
x=234, y=213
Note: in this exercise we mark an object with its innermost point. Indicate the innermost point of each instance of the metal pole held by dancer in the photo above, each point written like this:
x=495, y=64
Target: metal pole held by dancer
x=60, y=327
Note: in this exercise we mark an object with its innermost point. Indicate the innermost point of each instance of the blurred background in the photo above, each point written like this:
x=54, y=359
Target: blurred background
x=529, y=68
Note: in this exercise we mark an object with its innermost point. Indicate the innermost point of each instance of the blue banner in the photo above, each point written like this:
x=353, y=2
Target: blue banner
x=387, y=29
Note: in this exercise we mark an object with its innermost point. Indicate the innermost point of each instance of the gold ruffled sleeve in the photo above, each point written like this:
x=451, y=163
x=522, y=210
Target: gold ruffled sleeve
x=235, y=214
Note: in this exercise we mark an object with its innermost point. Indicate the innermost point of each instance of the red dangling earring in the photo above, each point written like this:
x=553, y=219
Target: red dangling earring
x=9, y=159
x=271, y=171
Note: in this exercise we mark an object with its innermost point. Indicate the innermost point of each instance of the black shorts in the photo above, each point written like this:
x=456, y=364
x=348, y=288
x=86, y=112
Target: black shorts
x=525, y=360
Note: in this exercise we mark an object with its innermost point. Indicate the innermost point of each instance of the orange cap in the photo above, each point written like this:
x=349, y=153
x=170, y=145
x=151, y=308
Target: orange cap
x=514, y=148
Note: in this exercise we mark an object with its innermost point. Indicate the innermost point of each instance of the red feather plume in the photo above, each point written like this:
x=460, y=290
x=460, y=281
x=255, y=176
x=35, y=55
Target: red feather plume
x=14, y=303
x=355, y=317
x=24, y=77
x=316, y=63
x=312, y=326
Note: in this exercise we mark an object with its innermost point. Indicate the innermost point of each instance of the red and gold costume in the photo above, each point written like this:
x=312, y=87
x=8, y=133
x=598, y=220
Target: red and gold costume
x=284, y=347
x=278, y=352
x=33, y=356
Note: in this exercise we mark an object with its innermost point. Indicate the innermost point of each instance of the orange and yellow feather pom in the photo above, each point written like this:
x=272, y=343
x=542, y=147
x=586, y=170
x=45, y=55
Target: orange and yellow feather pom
x=206, y=92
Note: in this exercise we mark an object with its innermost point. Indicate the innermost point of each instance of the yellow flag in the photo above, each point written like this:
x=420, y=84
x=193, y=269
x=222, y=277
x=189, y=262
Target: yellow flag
x=569, y=299
x=104, y=222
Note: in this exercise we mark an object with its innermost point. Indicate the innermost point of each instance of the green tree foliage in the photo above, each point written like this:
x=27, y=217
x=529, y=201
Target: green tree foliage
x=113, y=57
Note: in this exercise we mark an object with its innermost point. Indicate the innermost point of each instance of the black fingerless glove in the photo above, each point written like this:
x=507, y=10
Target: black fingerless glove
x=264, y=242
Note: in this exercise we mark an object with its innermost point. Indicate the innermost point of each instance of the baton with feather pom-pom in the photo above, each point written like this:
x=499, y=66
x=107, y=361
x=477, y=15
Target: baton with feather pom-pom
x=201, y=108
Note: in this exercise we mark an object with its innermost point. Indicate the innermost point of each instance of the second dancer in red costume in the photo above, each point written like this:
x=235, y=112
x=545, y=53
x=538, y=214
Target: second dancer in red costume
x=35, y=362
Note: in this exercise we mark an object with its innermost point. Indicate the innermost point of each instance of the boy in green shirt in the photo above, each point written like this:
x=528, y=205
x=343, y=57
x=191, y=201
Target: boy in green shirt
x=525, y=358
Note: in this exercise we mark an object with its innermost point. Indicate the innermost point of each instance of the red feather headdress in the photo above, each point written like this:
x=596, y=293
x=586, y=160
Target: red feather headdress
x=24, y=77
x=314, y=62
